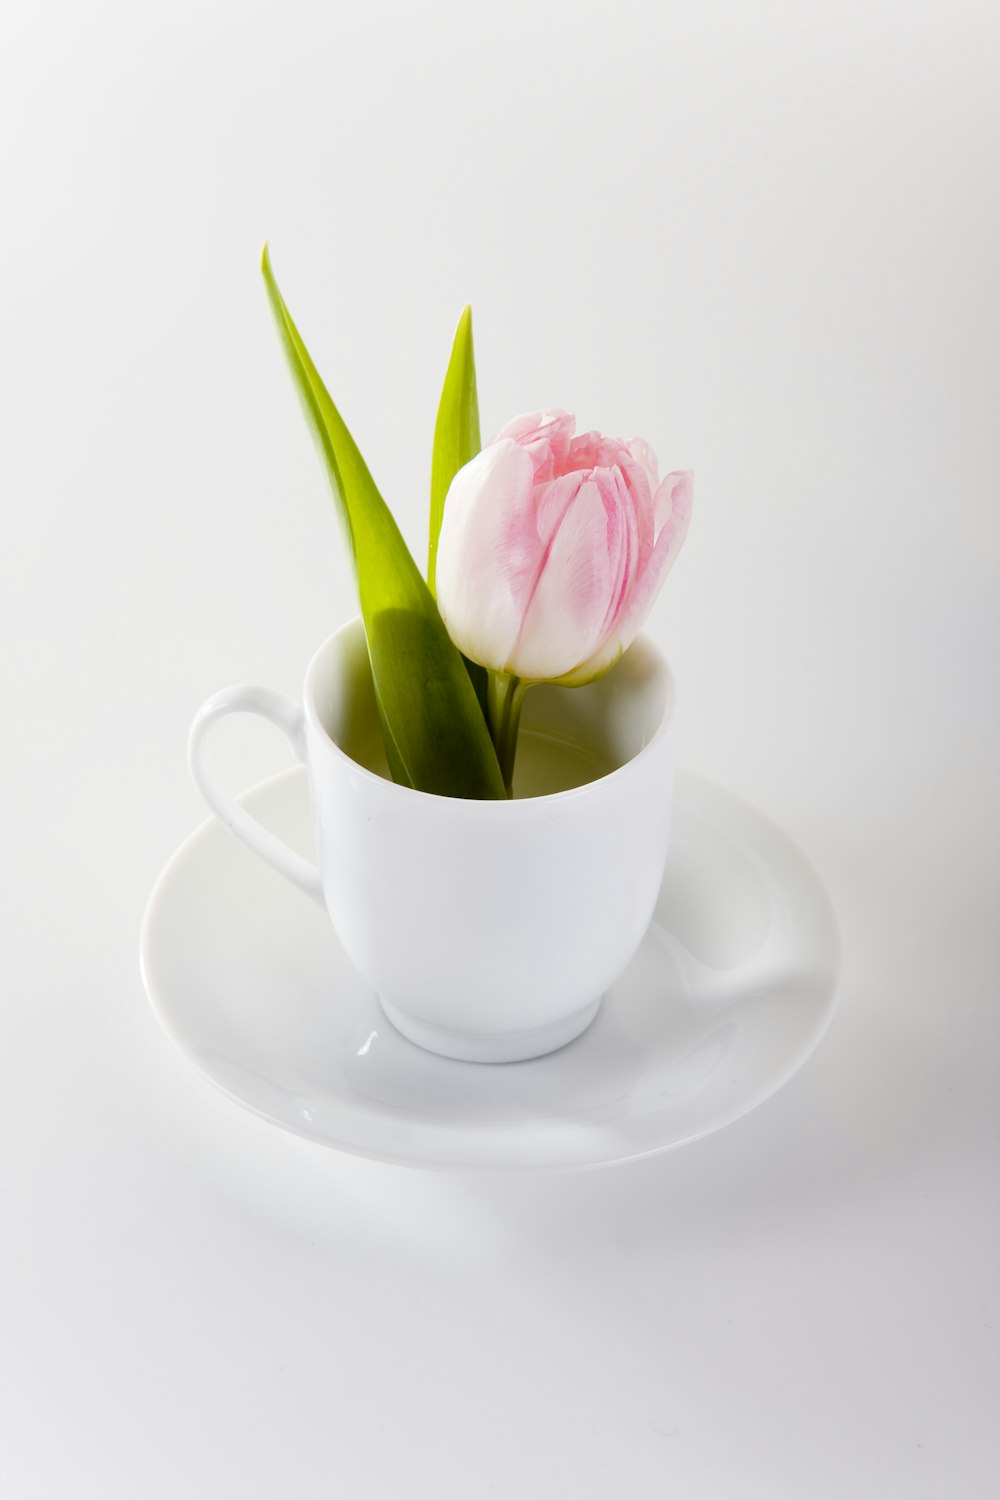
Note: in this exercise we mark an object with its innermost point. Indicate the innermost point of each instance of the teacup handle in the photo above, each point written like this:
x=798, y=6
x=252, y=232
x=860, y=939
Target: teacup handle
x=289, y=718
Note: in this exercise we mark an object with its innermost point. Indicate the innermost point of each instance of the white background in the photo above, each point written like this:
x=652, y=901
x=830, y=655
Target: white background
x=766, y=238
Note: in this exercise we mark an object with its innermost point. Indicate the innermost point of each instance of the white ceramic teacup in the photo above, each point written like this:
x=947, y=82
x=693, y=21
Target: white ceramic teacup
x=489, y=930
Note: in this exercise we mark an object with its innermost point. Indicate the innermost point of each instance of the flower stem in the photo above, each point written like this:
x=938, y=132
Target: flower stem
x=504, y=700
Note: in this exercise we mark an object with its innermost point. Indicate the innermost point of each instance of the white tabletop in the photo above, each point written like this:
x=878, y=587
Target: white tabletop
x=766, y=239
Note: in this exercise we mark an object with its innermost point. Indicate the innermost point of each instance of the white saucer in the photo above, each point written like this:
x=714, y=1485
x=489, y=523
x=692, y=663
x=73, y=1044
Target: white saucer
x=731, y=991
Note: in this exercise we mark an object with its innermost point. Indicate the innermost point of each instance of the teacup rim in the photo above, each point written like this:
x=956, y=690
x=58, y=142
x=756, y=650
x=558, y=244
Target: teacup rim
x=388, y=787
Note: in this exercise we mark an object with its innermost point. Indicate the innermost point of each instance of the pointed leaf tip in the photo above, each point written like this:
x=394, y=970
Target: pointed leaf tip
x=456, y=432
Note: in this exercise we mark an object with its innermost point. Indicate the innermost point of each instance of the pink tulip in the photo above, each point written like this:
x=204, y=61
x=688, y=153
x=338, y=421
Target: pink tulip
x=553, y=548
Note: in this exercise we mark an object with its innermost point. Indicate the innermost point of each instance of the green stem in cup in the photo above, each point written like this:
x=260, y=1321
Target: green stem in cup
x=504, y=701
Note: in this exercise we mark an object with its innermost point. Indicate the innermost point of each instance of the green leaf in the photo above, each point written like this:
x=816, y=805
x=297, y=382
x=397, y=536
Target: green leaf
x=456, y=440
x=456, y=433
x=435, y=734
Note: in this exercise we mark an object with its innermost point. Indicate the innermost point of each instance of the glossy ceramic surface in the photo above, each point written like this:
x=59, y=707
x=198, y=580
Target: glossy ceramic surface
x=730, y=991
x=490, y=929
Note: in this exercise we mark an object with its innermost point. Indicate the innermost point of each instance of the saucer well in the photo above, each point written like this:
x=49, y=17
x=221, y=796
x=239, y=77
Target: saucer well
x=731, y=990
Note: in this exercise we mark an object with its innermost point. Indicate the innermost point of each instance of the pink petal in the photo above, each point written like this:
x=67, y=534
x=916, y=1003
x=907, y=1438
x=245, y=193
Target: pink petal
x=593, y=451
x=489, y=552
x=623, y=539
x=672, y=504
x=647, y=461
x=642, y=499
x=565, y=618
x=551, y=502
x=546, y=436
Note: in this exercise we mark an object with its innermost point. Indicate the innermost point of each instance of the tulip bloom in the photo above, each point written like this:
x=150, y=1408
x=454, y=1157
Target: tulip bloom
x=551, y=552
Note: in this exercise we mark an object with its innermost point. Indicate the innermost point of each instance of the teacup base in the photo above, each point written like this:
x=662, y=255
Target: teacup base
x=511, y=1046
